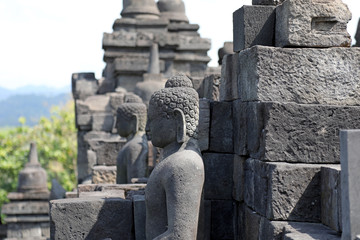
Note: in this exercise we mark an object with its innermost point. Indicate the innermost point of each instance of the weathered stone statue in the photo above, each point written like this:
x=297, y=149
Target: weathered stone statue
x=173, y=192
x=132, y=159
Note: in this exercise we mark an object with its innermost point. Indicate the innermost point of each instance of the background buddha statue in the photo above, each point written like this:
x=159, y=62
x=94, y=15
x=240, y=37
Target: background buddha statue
x=132, y=158
x=174, y=188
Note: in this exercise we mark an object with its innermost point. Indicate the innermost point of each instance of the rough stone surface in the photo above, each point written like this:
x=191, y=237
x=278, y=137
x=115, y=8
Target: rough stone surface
x=91, y=218
x=226, y=49
x=297, y=132
x=221, y=127
x=228, y=88
x=309, y=231
x=102, y=122
x=267, y=2
x=57, y=191
x=238, y=178
x=350, y=188
x=218, y=176
x=331, y=197
x=28, y=231
x=104, y=174
x=106, y=150
x=301, y=75
x=257, y=227
x=283, y=191
x=83, y=85
x=204, y=124
x=240, y=127
x=307, y=23
x=253, y=25
x=139, y=217
x=25, y=207
x=222, y=218
x=209, y=88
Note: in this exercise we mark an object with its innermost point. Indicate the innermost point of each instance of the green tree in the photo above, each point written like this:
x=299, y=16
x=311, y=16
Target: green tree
x=56, y=144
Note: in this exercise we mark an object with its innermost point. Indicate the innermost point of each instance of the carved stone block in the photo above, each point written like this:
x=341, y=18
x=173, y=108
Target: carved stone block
x=104, y=174
x=230, y=69
x=253, y=25
x=97, y=218
x=221, y=127
x=283, y=191
x=289, y=132
x=301, y=75
x=309, y=23
x=218, y=176
x=331, y=197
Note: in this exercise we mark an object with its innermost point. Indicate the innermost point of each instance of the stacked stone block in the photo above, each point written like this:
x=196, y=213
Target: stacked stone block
x=100, y=211
x=27, y=213
x=181, y=49
x=98, y=142
x=276, y=129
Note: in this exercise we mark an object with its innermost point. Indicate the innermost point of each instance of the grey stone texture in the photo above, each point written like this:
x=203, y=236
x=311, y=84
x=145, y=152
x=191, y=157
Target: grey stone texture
x=27, y=213
x=210, y=87
x=253, y=25
x=139, y=217
x=350, y=188
x=143, y=9
x=222, y=218
x=309, y=231
x=267, y=2
x=229, y=73
x=283, y=191
x=32, y=178
x=174, y=10
x=331, y=197
x=106, y=150
x=300, y=75
x=204, y=124
x=307, y=23
x=28, y=231
x=290, y=132
x=221, y=128
x=218, y=176
x=91, y=218
x=104, y=174
x=258, y=227
x=240, y=110
x=25, y=207
x=226, y=49
x=357, y=35
x=83, y=85
x=238, y=178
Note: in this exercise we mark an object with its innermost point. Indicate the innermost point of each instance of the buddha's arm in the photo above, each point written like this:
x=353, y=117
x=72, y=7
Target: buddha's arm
x=183, y=187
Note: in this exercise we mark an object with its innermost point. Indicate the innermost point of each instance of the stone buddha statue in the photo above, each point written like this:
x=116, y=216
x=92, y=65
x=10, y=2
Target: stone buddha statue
x=132, y=158
x=174, y=188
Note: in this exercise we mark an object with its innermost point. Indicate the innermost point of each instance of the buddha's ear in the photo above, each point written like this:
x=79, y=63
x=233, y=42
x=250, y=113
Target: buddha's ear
x=180, y=125
x=136, y=121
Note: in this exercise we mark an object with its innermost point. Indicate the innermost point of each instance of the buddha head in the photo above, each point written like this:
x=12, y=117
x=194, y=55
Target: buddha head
x=131, y=118
x=173, y=112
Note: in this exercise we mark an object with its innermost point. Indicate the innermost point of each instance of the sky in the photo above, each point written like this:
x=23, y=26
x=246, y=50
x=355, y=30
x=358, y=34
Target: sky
x=44, y=41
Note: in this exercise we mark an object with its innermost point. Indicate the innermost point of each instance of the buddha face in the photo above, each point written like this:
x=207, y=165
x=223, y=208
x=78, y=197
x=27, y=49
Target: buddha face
x=124, y=126
x=161, y=127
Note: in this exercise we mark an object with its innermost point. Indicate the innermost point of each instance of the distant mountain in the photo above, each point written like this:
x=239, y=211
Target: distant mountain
x=4, y=93
x=32, y=89
x=30, y=106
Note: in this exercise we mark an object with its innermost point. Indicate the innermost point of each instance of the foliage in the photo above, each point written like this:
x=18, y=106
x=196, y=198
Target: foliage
x=56, y=144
